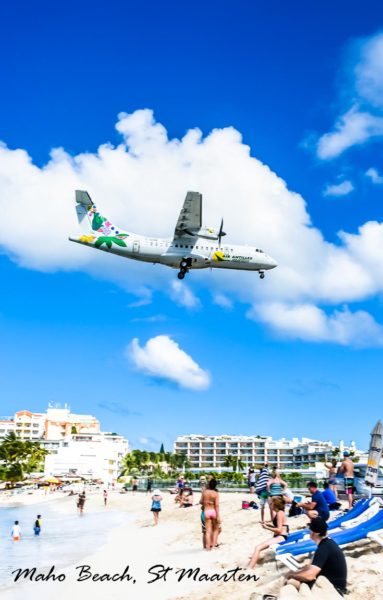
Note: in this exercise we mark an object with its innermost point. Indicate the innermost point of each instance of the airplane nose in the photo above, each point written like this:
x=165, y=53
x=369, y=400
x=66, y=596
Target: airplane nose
x=272, y=262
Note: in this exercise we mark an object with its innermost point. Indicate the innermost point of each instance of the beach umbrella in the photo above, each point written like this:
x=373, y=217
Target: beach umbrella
x=52, y=480
x=374, y=455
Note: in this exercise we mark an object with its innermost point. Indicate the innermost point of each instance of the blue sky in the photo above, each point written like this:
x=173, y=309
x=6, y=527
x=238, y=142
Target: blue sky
x=301, y=85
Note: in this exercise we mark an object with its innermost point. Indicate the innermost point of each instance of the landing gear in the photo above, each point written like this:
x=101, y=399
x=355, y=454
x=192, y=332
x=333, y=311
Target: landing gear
x=262, y=274
x=185, y=265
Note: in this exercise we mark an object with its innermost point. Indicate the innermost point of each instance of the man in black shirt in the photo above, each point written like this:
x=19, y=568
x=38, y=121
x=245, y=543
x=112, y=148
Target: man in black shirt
x=328, y=560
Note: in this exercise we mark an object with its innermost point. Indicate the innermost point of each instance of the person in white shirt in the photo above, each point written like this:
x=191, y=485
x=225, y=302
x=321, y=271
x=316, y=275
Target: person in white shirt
x=16, y=532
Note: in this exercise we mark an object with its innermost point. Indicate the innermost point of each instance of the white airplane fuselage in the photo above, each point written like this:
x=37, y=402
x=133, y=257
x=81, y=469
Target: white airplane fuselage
x=201, y=253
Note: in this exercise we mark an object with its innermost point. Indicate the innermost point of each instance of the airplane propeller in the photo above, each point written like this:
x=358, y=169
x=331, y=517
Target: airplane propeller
x=221, y=233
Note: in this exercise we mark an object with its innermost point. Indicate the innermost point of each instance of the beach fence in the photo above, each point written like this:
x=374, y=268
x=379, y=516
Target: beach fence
x=295, y=484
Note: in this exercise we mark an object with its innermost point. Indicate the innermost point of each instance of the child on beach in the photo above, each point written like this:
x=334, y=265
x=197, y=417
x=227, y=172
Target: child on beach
x=16, y=532
x=37, y=525
x=156, y=505
x=105, y=496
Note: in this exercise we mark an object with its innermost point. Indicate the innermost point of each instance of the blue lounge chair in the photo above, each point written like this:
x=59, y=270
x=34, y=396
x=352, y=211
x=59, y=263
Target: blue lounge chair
x=356, y=511
x=346, y=536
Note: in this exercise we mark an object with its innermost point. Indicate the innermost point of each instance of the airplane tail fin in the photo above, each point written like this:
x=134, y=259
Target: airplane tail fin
x=89, y=216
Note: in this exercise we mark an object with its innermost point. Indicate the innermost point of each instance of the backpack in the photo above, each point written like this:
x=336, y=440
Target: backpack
x=295, y=510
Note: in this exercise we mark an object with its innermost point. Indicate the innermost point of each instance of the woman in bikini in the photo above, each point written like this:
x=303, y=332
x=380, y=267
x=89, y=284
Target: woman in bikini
x=210, y=508
x=275, y=487
x=279, y=528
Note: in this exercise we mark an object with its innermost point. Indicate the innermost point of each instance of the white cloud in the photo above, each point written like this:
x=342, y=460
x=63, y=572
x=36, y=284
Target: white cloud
x=362, y=120
x=141, y=185
x=182, y=294
x=351, y=129
x=368, y=70
x=223, y=301
x=374, y=176
x=339, y=189
x=310, y=323
x=162, y=357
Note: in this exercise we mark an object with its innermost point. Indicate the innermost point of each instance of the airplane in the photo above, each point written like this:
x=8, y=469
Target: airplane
x=191, y=247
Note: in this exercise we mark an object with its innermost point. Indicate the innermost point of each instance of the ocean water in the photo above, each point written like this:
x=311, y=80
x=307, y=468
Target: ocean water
x=64, y=539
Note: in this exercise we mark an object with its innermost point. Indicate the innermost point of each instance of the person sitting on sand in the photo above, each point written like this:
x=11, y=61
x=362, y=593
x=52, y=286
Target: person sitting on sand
x=186, y=499
x=280, y=529
x=210, y=505
x=318, y=506
x=328, y=560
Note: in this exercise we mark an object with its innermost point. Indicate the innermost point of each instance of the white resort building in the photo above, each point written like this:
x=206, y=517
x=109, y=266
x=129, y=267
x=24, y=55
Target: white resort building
x=75, y=443
x=206, y=452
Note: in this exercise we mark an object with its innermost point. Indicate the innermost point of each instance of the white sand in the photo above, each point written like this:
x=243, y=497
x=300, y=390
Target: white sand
x=176, y=542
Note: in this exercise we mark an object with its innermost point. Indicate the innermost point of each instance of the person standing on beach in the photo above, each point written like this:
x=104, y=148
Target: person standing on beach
x=149, y=485
x=261, y=489
x=211, y=518
x=105, y=496
x=156, y=505
x=332, y=473
x=347, y=468
x=81, y=502
x=251, y=480
x=16, y=532
x=37, y=525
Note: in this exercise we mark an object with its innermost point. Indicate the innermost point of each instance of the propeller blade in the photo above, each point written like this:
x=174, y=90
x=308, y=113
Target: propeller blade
x=221, y=233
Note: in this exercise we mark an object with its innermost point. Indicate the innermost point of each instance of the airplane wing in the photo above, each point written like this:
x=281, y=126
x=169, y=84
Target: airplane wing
x=190, y=218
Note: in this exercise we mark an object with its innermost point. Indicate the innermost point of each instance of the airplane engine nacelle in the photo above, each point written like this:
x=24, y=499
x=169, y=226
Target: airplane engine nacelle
x=199, y=262
x=208, y=233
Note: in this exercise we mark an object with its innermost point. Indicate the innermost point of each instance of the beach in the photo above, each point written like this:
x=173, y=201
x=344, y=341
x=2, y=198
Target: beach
x=141, y=556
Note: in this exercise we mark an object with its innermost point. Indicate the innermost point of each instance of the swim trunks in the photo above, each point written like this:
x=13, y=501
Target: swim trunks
x=349, y=485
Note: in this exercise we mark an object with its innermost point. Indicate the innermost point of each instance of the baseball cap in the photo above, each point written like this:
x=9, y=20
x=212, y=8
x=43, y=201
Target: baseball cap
x=318, y=525
x=346, y=453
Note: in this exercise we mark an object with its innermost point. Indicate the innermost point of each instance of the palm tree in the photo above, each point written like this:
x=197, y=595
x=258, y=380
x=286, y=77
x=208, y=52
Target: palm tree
x=235, y=462
x=240, y=464
x=19, y=456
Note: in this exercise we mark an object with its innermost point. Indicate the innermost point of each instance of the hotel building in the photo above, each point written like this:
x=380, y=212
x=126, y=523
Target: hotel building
x=207, y=452
x=54, y=424
x=75, y=443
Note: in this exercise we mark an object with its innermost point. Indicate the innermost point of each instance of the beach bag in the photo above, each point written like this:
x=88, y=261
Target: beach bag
x=295, y=510
x=245, y=504
x=253, y=504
